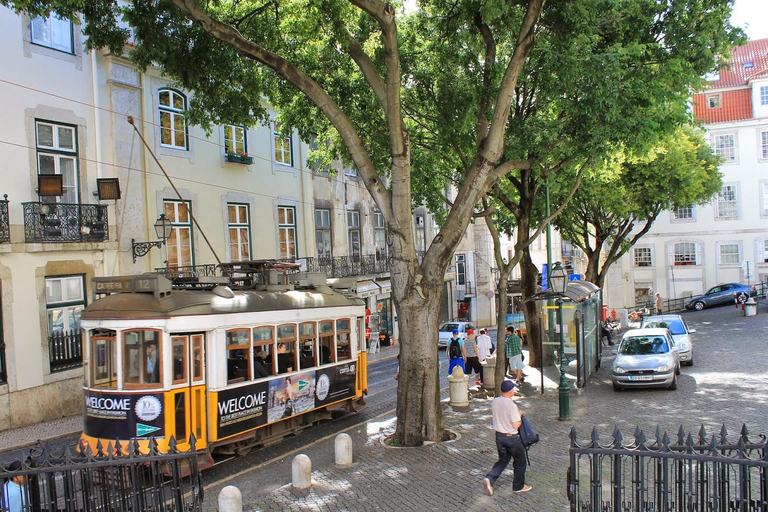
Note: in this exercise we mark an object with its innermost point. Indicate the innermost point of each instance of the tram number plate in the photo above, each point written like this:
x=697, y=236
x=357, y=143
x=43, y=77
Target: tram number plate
x=641, y=377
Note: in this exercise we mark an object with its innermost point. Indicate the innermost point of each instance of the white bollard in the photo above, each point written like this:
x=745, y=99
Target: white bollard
x=230, y=499
x=458, y=388
x=343, y=446
x=489, y=372
x=301, y=471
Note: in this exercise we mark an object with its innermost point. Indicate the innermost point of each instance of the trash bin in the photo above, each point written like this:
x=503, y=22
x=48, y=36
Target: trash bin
x=750, y=307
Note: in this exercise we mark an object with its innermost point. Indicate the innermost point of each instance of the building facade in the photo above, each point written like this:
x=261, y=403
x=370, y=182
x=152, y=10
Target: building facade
x=693, y=248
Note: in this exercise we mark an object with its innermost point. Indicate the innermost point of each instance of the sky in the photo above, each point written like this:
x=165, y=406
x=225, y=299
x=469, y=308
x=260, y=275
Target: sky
x=752, y=16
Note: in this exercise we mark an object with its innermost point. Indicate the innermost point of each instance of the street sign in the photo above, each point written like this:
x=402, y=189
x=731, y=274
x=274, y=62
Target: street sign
x=748, y=267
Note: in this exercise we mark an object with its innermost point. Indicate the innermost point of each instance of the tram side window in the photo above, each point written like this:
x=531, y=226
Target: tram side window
x=342, y=339
x=142, y=358
x=307, y=344
x=179, y=359
x=263, y=344
x=238, y=355
x=103, y=359
x=286, y=348
x=197, y=358
x=327, y=346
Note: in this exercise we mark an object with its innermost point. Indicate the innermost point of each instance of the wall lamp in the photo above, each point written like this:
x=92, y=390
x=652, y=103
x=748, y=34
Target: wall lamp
x=163, y=228
x=107, y=189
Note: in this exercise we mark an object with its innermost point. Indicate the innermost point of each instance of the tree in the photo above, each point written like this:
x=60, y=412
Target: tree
x=621, y=198
x=414, y=100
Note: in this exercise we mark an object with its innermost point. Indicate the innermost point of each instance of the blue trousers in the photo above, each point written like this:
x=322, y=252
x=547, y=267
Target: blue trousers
x=459, y=361
x=509, y=448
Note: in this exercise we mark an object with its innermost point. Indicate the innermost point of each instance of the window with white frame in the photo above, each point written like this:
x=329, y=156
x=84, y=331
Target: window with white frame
x=764, y=144
x=286, y=220
x=52, y=32
x=683, y=212
x=179, y=245
x=283, y=153
x=764, y=198
x=729, y=254
x=173, y=124
x=64, y=303
x=323, y=233
x=714, y=101
x=234, y=140
x=380, y=235
x=643, y=257
x=461, y=269
x=351, y=170
x=353, y=234
x=764, y=94
x=724, y=145
x=420, y=234
x=727, y=205
x=57, y=154
x=764, y=246
x=685, y=253
x=238, y=223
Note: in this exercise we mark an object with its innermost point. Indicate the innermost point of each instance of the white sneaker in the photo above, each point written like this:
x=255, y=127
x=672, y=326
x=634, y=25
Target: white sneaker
x=488, y=486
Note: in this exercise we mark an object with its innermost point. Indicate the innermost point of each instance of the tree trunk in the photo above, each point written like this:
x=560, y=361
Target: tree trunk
x=528, y=281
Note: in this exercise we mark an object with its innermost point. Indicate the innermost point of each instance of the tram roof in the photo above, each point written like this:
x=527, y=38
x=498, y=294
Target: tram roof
x=205, y=302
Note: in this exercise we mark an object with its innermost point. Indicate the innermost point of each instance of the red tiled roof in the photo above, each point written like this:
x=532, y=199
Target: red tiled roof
x=735, y=105
x=747, y=62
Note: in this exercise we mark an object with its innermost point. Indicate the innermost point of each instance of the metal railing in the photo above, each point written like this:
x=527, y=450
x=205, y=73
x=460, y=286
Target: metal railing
x=62, y=222
x=5, y=221
x=349, y=266
x=109, y=481
x=670, y=305
x=693, y=473
x=65, y=350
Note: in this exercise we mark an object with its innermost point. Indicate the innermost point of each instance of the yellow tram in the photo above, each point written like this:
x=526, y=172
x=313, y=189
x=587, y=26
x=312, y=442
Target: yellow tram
x=238, y=368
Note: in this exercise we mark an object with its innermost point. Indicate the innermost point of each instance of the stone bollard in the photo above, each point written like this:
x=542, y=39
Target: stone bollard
x=623, y=318
x=230, y=499
x=343, y=446
x=458, y=388
x=750, y=307
x=489, y=372
x=301, y=472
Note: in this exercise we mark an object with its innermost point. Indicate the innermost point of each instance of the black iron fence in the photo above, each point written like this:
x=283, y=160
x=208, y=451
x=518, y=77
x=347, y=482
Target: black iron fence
x=5, y=222
x=65, y=350
x=349, y=266
x=62, y=222
x=693, y=473
x=110, y=480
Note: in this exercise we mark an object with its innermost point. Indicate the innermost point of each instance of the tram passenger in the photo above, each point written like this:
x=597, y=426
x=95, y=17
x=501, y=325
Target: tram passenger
x=284, y=359
x=178, y=363
x=153, y=369
x=258, y=366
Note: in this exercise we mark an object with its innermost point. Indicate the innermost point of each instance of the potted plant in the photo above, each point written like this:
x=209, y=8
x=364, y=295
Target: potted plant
x=239, y=158
x=245, y=158
x=232, y=156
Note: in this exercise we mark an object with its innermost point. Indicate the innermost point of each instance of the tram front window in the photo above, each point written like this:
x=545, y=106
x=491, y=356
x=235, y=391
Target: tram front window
x=103, y=360
x=142, y=360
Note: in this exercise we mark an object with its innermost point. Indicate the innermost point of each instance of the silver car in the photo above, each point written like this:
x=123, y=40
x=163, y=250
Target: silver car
x=681, y=334
x=646, y=358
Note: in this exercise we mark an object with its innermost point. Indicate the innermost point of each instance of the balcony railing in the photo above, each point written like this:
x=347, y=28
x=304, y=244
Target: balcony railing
x=62, y=222
x=349, y=266
x=65, y=350
x=5, y=223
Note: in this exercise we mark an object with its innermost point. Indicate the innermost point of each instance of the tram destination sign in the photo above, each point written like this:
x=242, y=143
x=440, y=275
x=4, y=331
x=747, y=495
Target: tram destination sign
x=152, y=283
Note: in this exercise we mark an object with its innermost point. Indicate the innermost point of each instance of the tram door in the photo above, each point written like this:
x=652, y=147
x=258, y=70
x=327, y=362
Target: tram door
x=188, y=393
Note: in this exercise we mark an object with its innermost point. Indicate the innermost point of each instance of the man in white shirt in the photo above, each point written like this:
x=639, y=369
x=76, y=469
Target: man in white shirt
x=484, y=348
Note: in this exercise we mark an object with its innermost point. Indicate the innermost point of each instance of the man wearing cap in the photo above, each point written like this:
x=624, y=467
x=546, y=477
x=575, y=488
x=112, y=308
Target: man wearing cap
x=506, y=421
x=456, y=356
x=13, y=490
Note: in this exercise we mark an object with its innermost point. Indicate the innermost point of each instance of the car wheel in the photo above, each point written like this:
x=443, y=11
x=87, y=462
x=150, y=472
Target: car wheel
x=616, y=387
x=689, y=363
x=673, y=386
x=698, y=306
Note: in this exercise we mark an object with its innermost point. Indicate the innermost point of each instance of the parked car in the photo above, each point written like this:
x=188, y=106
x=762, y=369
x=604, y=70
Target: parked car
x=681, y=334
x=446, y=331
x=719, y=295
x=645, y=358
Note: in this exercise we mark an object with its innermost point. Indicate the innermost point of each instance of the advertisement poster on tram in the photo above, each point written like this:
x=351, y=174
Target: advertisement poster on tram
x=291, y=395
x=121, y=416
x=336, y=383
x=240, y=409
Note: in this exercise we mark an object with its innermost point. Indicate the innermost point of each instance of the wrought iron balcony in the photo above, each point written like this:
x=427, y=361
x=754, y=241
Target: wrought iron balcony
x=68, y=223
x=349, y=266
x=5, y=222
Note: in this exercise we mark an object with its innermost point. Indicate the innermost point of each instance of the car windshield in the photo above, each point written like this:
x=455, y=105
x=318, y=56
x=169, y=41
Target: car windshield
x=674, y=326
x=643, y=345
x=450, y=327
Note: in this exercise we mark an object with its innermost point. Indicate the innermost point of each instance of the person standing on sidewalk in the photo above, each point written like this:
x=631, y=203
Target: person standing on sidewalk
x=659, y=305
x=484, y=349
x=506, y=421
x=473, y=359
x=13, y=490
x=514, y=346
x=456, y=353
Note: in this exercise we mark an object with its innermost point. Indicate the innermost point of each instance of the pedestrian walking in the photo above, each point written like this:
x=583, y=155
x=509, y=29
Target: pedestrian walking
x=659, y=305
x=13, y=490
x=473, y=357
x=456, y=353
x=514, y=347
x=506, y=421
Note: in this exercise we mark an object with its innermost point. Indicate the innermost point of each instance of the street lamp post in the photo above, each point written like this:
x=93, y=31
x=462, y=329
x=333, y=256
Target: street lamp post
x=163, y=228
x=558, y=280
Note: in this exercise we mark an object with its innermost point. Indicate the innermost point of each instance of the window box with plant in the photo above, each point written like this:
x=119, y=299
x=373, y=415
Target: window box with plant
x=239, y=158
